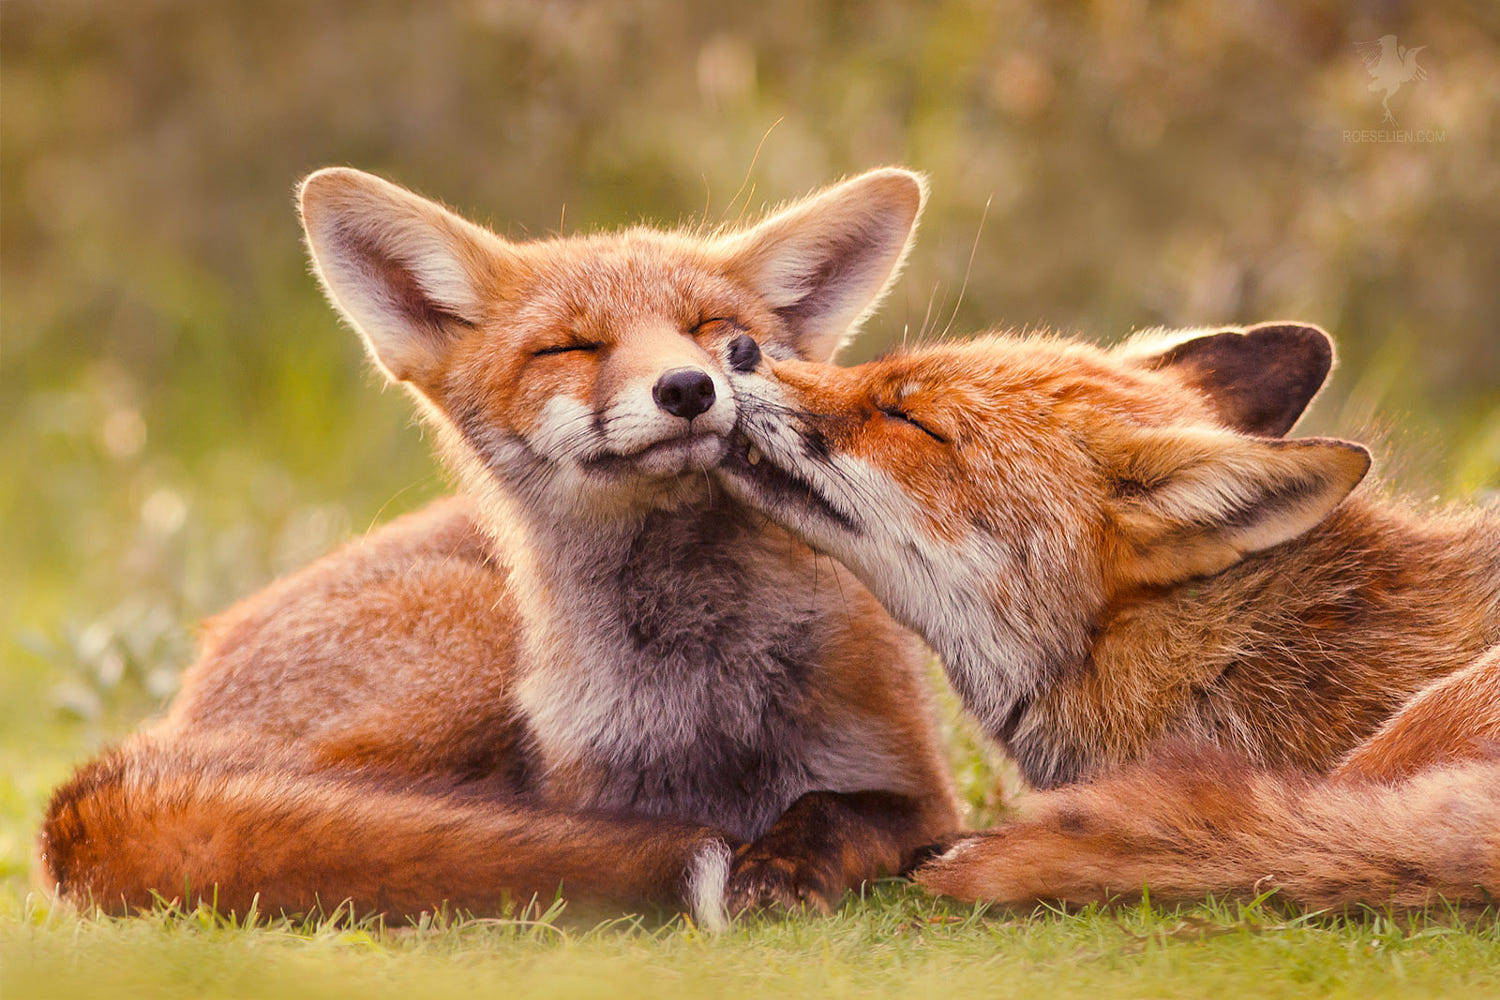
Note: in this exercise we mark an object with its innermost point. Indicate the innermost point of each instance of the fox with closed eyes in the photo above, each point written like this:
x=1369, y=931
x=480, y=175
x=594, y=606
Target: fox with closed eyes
x=590, y=672
x=1225, y=667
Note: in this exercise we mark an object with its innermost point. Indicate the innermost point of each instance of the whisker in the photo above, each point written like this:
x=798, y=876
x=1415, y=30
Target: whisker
x=748, y=171
x=968, y=269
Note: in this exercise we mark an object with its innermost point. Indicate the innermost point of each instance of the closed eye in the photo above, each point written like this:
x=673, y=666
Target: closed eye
x=565, y=349
x=706, y=324
x=904, y=417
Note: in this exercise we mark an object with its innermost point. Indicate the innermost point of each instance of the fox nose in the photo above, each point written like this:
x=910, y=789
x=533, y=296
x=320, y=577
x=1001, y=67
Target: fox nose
x=684, y=392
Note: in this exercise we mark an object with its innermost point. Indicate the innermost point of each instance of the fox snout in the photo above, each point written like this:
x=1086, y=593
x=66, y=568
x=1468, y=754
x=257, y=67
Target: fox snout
x=661, y=404
x=684, y=392
x=780, y=459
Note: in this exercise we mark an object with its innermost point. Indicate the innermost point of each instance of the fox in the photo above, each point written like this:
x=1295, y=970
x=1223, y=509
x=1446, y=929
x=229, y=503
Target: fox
x=590, y=672
x=1223, y=660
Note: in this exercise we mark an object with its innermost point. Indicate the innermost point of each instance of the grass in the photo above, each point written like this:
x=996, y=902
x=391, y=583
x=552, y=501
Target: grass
x=892, y=942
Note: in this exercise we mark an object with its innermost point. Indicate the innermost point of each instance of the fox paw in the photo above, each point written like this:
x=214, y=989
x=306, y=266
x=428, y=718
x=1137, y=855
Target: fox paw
x=761, y=879
x=1015, y=864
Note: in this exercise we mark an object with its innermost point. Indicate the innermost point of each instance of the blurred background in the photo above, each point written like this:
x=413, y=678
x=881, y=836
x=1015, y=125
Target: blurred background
x=182, y=416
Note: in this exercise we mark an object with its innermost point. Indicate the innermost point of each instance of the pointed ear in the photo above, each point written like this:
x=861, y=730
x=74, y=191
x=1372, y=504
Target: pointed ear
x=1260, y=379
x=1192, y=501
x=824, y=263
x=410, y=276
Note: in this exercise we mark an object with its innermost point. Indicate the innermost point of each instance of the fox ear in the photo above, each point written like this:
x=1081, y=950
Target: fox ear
x=407, y=273
x=1260, y=379
x=824, y=263
x=1192, y=501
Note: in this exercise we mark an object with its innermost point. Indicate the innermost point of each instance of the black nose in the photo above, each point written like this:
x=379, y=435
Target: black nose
x=684, y=392
x=744, y=353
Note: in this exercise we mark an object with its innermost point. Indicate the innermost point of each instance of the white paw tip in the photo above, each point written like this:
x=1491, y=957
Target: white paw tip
x=708, y=874
x=957, y=851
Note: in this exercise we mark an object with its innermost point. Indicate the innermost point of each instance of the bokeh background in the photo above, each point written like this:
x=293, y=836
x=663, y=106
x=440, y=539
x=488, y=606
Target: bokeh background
x=182, y=417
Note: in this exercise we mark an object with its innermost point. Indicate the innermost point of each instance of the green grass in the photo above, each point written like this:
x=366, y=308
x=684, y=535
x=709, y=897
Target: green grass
x=894, y=942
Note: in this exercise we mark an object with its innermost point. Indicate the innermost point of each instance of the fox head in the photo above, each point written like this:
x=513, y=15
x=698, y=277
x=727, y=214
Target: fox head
x=999, y=495
x=587, y=376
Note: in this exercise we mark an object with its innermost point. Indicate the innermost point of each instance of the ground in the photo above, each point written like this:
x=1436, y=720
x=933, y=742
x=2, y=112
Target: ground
x=892, y=943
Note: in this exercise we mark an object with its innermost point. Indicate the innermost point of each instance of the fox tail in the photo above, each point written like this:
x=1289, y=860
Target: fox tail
x=1191, y=821
x=162, y=820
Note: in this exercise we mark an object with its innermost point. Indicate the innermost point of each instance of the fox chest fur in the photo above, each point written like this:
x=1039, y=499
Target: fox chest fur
x=674, y=671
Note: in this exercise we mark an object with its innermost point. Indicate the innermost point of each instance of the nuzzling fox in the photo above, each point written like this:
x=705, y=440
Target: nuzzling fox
x=1249, y=674
x=591, y=671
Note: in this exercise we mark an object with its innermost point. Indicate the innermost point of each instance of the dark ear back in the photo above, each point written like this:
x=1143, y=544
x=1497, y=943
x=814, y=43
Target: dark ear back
x=1259, y=379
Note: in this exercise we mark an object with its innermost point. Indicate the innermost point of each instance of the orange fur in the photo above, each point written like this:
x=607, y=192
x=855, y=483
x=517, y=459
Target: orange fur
x=1195, y=820
x=1453, y=719
x=1112, y=549
x=212, y=819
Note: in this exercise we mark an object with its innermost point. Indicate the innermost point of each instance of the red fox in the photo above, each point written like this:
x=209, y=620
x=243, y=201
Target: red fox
x=1116, y=549
x=591, y=672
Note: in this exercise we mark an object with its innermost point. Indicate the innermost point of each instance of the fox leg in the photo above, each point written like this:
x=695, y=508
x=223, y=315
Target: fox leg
x=825, y=844
x=1453, y=719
